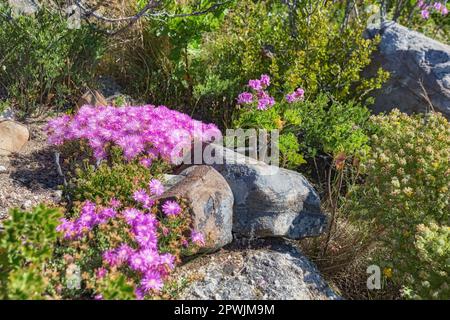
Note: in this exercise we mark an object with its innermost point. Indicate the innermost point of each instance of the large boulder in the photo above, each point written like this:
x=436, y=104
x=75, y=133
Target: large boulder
x=268, y=201
x=266, y=272
x=419, y=67
x=210, y=201
x=13, y=136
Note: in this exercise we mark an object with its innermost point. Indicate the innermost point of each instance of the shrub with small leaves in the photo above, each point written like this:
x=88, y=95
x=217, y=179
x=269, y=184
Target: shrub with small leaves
x=26, y=247
x=433, y=251
x=406, y=186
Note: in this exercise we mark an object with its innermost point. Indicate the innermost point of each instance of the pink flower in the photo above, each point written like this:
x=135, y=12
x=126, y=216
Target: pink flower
x=171, y=208
x=425, y=13
x=297, y=95
x=265, y=80
x=101, y=273
x=197, y=238
x=245, y=98
x=137, y=263
x=140, y=196
x=156, y=187
x=114, y=203
x=146, y=162
x=255, y=85
x=131, y=214
x=152, y=282
x=98, y=297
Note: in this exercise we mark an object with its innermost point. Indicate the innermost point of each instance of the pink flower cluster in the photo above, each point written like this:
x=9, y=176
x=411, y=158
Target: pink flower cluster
x=90, y=216
x=297, y=95
x=143, y=258
x=142, y=130
x=259, y=95
x=427, y=8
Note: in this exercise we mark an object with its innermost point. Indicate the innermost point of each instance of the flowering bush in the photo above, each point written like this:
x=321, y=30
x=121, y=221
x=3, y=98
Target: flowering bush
x=432, y=244
x=145, y=130
x=306, y=127
x=407, y=184
x=116, y=178
x=295, y=44
x=137, y=245
x=427, y=8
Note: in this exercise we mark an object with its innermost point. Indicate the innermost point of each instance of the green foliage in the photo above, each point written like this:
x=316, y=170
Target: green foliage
x=297, y=49
x=26, y=246
x=43, y=61
x=114, y=179
x=433, y=251
x=407, y=185
x=310, y=128
x=157, y=62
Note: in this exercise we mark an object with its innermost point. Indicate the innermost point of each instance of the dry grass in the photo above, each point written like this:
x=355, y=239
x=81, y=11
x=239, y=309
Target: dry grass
x=345, y=263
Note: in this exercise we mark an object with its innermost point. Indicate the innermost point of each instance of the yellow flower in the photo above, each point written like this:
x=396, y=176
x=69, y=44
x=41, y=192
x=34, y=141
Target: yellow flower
x=387, y=272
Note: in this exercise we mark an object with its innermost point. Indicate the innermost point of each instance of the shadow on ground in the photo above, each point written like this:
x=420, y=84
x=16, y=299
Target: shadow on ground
x=35, y=170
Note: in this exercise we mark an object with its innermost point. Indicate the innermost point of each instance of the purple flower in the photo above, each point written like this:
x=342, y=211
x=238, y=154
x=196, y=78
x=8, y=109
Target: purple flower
x=152, y=282
x=265, y=80
x=171, y=208
x=245, y=98
x=123, y=253
x=98, y=297
x=114, y=203
x=131, y=214
x=101, y=273
x=139, y=293
x=156, y=187
x=297, y=95
x=146, y=162
x=140, y=131
x=110, y=258
x=137, y=263
x=255, y=85
x=425, y=13
x=141, y=196
x=197, y=238
x=168, y=260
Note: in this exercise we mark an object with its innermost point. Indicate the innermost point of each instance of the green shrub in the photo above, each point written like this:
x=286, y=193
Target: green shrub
x=295, y=48
x=407, y=184
x=26, y=246
x=432, y=245
x=114, y=179
x=311, y=128
x=43, y=62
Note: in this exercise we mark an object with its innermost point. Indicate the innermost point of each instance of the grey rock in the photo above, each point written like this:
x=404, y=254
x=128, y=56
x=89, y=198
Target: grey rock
x=169, y=180
x=417, y=64
x=57, y=196
x=280, y=272
x=269, y=201
x=7, y=114
x=210, y=201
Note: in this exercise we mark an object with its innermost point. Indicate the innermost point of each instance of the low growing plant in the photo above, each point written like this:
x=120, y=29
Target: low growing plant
x=27, y=245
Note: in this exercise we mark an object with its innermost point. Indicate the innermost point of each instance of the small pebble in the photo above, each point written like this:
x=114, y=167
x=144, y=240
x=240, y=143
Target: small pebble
x=27, y=205
x=3, y=169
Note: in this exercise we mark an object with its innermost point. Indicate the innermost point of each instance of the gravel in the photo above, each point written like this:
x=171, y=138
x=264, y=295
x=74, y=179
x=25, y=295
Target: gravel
x=29, y=177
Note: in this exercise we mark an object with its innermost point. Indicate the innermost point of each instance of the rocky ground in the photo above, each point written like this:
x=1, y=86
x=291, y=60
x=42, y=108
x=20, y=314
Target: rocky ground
x=269, y=269
x=29, y=177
